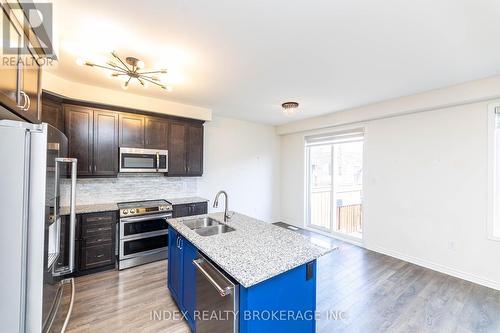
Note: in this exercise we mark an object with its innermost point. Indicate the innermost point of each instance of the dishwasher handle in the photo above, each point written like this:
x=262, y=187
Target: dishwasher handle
x=222, y=291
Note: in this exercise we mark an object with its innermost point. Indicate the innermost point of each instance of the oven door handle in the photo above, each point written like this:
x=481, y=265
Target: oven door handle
x=144, y=235
x=145, y=218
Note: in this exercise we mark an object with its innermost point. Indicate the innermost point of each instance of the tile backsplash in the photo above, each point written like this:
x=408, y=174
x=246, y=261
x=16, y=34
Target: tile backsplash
x=128, y=188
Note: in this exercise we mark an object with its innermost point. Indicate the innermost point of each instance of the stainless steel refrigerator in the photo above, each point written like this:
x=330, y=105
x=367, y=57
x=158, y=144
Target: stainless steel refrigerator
x=35, y=295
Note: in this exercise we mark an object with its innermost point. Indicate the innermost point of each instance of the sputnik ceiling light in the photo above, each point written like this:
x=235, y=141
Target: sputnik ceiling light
x=130, y=69
x=289, y=108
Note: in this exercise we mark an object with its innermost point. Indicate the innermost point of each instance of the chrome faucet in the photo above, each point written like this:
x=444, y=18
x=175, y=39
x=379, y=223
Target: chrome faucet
x=216, y=204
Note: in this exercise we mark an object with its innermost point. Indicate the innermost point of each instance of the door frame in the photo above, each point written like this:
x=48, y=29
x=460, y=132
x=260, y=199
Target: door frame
x=307, y=203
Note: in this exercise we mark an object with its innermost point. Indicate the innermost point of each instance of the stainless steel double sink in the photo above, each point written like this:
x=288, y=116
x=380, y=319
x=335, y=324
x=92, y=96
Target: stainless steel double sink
x=207, y=226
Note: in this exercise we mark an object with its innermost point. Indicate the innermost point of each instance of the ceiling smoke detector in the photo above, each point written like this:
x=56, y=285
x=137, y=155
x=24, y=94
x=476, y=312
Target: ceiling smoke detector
x=290, y=108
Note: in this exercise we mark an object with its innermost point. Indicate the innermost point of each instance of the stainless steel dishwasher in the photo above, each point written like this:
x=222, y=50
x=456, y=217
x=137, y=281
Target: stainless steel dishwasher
x=217, y=299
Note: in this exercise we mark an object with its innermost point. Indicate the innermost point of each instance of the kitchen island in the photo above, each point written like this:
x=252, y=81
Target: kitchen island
x=274, y=267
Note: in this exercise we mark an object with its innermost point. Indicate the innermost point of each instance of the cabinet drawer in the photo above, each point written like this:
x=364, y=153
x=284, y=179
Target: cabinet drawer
x=96, y=229
x=98, y=217
x=96, y=256
x=99, y=239
x=190, y=209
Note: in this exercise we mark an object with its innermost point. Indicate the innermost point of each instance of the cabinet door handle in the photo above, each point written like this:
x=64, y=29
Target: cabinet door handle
x=25, y=100
x=90, y=168
x=95, y=168
x=100, y=255
x=29, y=102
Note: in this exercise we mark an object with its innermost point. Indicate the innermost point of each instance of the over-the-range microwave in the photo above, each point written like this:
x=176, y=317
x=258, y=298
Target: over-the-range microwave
x=143, y=160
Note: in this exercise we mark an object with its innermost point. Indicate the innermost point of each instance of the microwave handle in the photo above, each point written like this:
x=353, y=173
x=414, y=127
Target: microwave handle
x=157, y=161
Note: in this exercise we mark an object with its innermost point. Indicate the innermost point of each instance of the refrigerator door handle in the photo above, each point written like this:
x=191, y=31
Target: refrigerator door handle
x=66, y=321
x=72, y=217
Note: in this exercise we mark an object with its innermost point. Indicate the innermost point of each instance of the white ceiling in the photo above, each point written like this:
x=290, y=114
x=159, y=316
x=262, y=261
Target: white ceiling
x=244, y=58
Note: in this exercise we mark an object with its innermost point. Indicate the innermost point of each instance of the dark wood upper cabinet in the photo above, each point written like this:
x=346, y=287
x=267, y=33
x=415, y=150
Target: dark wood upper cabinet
x=95, y=136
x=52, y=113
x=9, y=80
x=20, y=82
x=131, y=130
x=30, y=87
x=185, y=152
x=156, y=133
x=177, y=150
x=93, y=140
x=79, y=130
x=105, y=159
x=195, y=150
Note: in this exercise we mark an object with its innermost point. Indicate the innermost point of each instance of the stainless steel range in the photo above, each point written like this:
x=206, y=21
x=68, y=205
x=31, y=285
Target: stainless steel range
x=143, y=232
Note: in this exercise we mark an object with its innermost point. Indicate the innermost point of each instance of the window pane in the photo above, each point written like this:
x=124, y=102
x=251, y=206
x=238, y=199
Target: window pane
x=320, y=182
x=348, y=178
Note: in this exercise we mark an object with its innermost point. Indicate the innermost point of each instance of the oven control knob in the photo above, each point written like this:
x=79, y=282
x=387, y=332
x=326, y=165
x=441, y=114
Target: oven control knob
x=162, y=207
x=132, y=211
x=125, y=211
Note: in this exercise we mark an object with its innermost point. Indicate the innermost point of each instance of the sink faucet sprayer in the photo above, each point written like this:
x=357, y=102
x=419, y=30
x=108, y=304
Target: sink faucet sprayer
x=216, y=204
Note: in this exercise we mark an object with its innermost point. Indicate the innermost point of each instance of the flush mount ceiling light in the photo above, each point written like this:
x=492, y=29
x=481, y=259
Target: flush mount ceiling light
x=130, y=69
x=290, y=108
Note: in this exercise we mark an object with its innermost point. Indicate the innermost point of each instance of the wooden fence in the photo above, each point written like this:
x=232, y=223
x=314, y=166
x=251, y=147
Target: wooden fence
x=348, y=217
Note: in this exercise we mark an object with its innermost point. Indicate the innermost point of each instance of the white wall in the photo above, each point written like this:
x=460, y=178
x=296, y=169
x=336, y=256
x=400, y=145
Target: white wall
x=426, y=190
x=243, y=159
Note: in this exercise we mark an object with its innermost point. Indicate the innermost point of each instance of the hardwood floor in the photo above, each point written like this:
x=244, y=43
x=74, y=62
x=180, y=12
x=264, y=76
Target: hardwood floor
x=362, y=291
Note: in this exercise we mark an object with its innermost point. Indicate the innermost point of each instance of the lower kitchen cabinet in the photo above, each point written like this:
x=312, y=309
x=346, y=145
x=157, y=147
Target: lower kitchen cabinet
x=182, y=274
x=96, y=250
x=197, y=208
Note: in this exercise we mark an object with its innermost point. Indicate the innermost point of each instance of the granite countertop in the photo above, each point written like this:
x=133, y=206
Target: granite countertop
x=255, y=251
x=96, y=208
x=105, y=207
x=187, y=200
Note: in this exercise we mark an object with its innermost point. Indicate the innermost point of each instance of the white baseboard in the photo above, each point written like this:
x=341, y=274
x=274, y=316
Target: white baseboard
x=438, y=267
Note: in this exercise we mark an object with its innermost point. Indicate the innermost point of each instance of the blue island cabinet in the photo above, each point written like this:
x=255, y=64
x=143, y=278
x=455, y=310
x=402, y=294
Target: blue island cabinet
x=284, y=303
x=182, y=274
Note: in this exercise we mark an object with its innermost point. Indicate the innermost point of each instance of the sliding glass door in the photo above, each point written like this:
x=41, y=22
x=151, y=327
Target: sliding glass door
x=321, y=186
x=335, y=182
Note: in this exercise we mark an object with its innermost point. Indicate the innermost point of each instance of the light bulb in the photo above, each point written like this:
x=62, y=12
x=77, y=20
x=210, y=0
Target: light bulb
x=169, y=88
x=125, y=85
x=80, y=62
x=140, y=64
